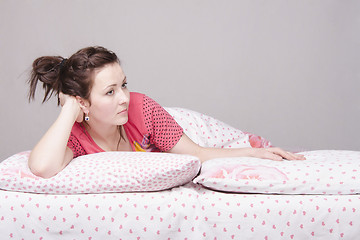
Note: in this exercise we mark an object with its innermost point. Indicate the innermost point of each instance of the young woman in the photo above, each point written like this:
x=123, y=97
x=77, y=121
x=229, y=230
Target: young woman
x=100, y=114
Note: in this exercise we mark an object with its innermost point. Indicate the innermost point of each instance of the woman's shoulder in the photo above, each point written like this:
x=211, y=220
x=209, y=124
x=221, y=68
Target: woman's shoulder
x=136, y=95
x=141, y=104
x=136, y=98
x=140, y=99
x=79, y=132
x=77, y=129
x=136, y=104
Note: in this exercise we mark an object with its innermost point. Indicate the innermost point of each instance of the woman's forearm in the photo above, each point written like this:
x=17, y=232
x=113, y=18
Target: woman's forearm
x=187, y=146
x=275, y=154
x=211, y=153
x=50, y=154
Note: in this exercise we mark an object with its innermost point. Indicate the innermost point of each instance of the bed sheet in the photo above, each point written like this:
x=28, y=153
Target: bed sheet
x=185, y=212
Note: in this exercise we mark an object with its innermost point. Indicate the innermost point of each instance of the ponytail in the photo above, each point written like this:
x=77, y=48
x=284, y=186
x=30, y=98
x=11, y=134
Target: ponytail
x=46, y=70
x=73, y=76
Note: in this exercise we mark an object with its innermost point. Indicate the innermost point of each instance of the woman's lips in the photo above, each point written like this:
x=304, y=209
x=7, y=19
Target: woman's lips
x=123, y=111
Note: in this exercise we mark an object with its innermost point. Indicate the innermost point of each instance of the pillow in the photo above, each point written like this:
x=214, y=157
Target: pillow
x=103, y=172
x=323, y=172
x=210, y=132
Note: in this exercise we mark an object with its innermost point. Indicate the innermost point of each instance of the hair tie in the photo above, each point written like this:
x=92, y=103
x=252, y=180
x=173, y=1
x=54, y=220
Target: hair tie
x=62, y=63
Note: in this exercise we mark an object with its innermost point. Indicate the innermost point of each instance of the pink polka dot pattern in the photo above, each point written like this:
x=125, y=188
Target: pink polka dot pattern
x=187, y=212
x=208, y=131
x=165, y=131
x=103, y=172
x=75, y=146
x=324, y=172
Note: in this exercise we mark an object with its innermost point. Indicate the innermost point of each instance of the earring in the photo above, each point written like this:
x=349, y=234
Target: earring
x=87, y=117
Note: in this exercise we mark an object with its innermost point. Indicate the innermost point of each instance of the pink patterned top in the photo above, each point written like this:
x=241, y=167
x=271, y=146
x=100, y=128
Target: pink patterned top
x=150, y=128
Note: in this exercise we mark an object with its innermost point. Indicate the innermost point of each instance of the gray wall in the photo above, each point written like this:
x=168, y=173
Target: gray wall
x=286, y=70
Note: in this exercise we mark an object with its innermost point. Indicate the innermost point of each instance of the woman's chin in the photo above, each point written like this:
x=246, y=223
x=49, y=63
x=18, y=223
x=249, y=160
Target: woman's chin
x=122, y=121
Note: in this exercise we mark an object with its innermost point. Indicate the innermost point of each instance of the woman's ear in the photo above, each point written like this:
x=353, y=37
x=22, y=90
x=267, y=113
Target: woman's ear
x=84, y=104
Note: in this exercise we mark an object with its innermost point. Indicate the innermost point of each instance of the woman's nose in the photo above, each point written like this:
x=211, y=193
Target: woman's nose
x=123, y=97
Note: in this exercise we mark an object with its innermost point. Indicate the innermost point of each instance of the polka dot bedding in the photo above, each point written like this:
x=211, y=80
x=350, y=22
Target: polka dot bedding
x=208, y=131
x=324, y=172
x=185, y=212
x=189, y=211
x=102, y=173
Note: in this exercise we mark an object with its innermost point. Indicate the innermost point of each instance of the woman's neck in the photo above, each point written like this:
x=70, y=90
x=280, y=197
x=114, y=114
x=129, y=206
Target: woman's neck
x=107, y=138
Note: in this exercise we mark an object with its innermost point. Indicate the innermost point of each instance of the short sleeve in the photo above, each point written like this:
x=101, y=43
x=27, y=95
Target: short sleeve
x=164, y=131
x=75, y=146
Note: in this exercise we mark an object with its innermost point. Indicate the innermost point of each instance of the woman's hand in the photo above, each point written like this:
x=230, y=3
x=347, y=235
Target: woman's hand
x=73, y=104
x=276, y=154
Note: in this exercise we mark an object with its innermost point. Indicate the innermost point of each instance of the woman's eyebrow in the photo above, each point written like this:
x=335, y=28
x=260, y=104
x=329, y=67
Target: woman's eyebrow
x=111, y=85
x=115, y=84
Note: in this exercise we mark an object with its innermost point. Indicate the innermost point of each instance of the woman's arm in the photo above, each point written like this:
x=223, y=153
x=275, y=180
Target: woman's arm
x=187, y=146
x=51, y=154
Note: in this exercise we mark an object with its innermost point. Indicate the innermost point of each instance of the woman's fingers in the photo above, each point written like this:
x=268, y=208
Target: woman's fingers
x=64, y=98
x=286, y=155
x=61, y=99
x=273, y=156
x=266, y=154
x=297, y=156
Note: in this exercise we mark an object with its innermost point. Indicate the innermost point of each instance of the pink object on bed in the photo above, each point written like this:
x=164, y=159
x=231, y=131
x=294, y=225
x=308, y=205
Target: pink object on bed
x=258, y=141
x=243, y=172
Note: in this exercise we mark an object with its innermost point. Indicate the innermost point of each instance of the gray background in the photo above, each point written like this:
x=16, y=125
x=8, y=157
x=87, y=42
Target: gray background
x=285, y=70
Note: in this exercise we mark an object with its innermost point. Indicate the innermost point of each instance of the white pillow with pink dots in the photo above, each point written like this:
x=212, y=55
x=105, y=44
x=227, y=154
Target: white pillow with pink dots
x=323, y=172
x=208, y=131
x=103, y=172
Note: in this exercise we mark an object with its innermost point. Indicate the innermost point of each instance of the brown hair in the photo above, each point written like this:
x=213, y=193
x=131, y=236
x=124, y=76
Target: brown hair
x=73, y=76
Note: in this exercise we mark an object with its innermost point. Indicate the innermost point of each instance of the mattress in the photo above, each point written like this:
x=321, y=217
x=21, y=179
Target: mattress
x=185, y=212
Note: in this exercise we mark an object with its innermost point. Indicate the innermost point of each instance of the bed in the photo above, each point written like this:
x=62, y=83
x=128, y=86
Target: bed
x=170, y=196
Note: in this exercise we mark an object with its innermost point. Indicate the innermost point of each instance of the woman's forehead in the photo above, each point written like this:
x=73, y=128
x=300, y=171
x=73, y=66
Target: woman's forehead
x=108, y=75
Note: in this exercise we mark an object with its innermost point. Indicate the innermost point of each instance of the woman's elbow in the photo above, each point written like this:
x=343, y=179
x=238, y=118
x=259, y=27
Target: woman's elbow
x=41, y=170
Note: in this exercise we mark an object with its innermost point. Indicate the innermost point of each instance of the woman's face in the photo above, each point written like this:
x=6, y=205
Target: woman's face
x=109, y=96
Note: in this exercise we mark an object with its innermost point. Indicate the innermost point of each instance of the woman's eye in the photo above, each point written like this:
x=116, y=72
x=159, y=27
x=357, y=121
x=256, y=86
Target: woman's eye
x=124, y=85
x=110, y=92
